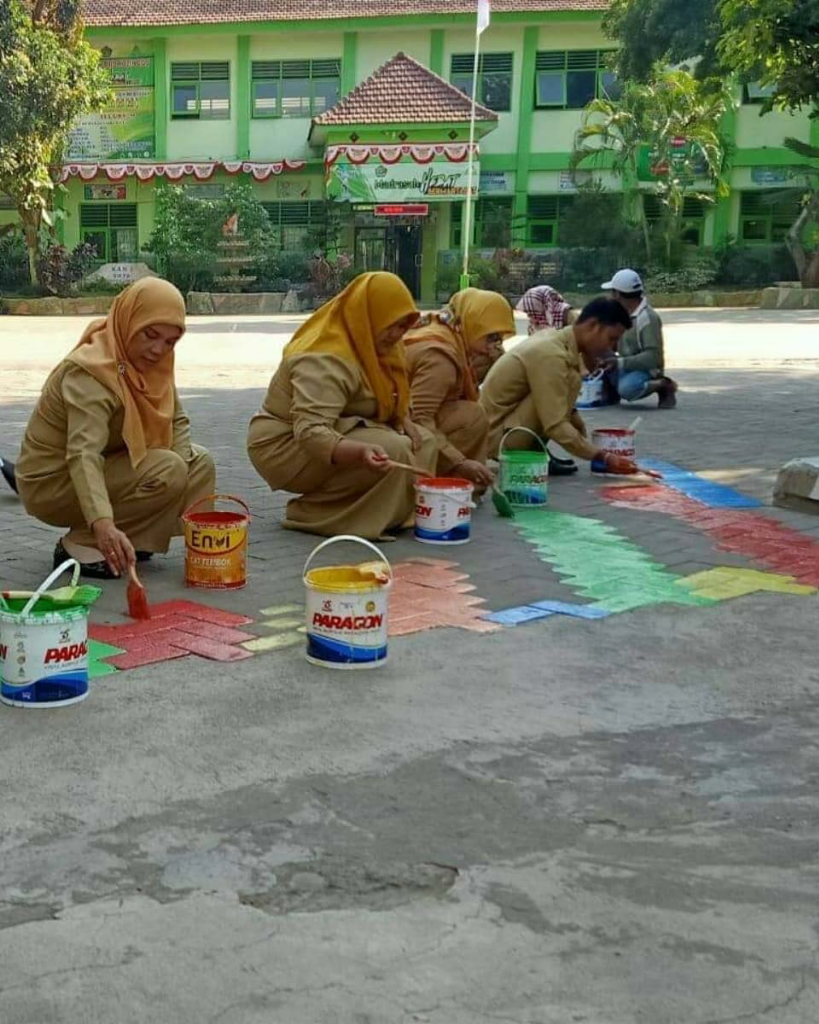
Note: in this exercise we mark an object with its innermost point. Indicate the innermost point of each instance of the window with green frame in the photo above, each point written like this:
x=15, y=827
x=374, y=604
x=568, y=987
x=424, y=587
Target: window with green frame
x=494, y=78
x=296, y=225
x=570, y=79
x=294, y=88
x=492, y=226
x=766, y=215
x=112, y=229
x=693, y=216
x=753, y=93
x=200, y=90
x=543, y=214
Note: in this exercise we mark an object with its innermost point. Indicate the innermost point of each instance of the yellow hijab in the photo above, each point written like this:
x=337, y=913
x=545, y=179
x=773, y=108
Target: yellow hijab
x=347, y=327
x=471, y=314
x=148, y=398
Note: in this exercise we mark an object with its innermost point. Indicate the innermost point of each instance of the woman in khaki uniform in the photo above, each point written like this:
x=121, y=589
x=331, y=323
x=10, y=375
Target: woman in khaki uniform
x=107, y=451
x=336, y=413
x=443, y=385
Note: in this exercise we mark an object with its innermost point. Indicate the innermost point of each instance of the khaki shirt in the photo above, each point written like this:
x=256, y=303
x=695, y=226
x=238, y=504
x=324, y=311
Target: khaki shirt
x=546, y=366
x=316, y=399
x=76, y=423
x=435, y=378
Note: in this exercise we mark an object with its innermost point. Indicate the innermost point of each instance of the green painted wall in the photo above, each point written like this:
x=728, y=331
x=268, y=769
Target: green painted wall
x=203, y=139
x=377, y=47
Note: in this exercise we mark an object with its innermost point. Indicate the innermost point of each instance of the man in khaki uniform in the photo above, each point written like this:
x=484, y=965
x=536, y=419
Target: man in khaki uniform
x=536, y=385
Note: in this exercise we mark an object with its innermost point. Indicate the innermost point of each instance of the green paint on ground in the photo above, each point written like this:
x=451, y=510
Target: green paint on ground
x=96, y=652
x=599, y=563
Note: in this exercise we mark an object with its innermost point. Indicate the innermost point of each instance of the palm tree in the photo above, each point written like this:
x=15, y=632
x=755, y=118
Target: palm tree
x=807, y=263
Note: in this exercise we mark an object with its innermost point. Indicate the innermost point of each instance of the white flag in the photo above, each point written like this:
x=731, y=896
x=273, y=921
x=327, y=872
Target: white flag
x=483, y=15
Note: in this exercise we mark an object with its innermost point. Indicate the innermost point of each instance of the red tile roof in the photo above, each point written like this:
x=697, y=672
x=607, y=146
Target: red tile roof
x=194, y=12
x=403, y=90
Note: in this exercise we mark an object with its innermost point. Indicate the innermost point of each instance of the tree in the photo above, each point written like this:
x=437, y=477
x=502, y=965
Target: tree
x=663, y=31
x=48, y=78
x=675, y=121
x=777, y=44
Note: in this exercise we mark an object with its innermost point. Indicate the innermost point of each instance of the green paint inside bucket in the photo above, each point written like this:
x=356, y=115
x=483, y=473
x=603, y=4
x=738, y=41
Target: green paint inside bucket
x=525, y=477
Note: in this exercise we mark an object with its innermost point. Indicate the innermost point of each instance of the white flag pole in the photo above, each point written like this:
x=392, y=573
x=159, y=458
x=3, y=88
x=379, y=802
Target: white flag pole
x=481, y=23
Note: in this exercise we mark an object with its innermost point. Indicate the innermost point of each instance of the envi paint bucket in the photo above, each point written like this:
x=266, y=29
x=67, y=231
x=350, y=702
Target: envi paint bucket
x=216, y=545
x=346, y=610
x=524, y=475
x=43, y=647
x=443, y=510
x=617, y=440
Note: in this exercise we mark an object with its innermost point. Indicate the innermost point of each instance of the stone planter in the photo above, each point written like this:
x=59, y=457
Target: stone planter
x=241, y=304
x=92, y=305
x=790, y=296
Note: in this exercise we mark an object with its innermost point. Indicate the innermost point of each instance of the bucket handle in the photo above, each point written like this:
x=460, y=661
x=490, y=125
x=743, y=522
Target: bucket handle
x=452, y=498
x=38, y=593
x=335, y=540
x=217, y=497
x=525, y=430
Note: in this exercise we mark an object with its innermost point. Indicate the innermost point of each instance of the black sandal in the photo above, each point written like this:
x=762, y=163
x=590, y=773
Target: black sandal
x=144, y=556
x=7, y=472
x=90, y=570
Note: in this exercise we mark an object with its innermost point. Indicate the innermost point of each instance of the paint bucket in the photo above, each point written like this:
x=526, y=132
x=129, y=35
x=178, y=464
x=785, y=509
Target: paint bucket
x=346, y=611
x=524, y=475
x=443, y=510
x=591, y=391
x=617, y=440
x=216, y=545
x=43, y=647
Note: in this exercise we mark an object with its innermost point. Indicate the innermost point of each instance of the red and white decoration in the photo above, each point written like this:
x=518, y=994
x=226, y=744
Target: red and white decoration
x=456, y=153
x=175, y=172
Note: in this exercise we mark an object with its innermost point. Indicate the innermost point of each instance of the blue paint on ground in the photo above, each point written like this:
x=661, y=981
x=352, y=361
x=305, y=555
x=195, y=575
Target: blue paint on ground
x=698, y=488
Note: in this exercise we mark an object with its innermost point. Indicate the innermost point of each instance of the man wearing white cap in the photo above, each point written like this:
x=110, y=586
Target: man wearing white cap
x=639, y=364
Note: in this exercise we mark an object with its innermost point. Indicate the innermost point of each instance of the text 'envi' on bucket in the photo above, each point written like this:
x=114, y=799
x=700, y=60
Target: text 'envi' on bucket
x=216, y=545
x=347, y=609
x=524, y=474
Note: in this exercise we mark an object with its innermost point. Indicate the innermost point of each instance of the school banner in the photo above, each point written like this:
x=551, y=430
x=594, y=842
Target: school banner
x=125, y=129
x=405, y=182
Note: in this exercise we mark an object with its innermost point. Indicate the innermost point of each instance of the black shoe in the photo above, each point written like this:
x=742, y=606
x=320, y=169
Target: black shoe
x=90, y=570
x=144, y=556
x=7, y=472
x=562, y=467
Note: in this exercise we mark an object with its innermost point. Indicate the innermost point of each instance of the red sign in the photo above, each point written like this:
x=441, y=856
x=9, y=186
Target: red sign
x=402, y=210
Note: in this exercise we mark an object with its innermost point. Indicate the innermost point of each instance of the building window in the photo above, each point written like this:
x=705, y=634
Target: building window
x=543, y=215
x=295, y=88
x=112, y=229
x=754, y=93
x=201, y=90
x=569, y=80
x=492, y=224
x=6, y=202
x=692, y=222
x=494, y=78
x=297, y=225
x=767, y=215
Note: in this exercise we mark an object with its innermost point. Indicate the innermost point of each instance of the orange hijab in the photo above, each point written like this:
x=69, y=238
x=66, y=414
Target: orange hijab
x=347, y=327
x=471, y=314
x=148, y=398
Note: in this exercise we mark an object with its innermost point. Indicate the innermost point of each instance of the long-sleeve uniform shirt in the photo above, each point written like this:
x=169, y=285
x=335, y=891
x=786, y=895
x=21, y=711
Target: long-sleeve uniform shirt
x=641, y=347
x=536, y=385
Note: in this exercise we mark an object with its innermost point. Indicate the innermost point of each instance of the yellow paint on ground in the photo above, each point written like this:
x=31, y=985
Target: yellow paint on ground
x=724, y=583
x=272, y=643
x=282, y=624
x=280, y=609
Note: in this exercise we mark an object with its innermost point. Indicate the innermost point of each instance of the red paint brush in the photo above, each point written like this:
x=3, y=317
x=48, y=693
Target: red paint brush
x=137, y=599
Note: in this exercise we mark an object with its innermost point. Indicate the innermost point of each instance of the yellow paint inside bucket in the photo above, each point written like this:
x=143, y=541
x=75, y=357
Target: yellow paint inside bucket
x=341, y=579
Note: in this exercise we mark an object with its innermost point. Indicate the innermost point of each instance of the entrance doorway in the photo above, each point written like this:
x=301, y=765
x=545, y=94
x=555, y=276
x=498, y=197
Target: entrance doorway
x=395, y=247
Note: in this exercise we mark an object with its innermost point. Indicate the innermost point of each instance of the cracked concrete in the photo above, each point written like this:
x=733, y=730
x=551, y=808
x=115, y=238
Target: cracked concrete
x=563, y=823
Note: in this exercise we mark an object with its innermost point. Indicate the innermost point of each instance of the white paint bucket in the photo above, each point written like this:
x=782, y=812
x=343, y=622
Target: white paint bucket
x=443, y=510
x=591, y=391
x=346, y=611
x=617, y=440
x=43, y=654
x=524, y=474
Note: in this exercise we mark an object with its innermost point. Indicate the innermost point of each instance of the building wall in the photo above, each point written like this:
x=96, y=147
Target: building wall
x=203, y=140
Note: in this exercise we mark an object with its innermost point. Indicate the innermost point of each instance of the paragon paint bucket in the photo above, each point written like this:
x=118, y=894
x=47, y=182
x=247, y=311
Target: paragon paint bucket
x=617, y=440
x=591, y=391
x=216, y=545
x=44, y=647
x=346, y=610
x=524, y=474
x=443, y=510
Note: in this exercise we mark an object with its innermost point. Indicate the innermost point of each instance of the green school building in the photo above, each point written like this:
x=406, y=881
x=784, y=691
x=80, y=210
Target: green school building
x=356, y=108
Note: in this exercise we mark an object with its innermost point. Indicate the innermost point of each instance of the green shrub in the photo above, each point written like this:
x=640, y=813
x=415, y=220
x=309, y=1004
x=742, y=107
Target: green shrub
x=13, y=262
x=700, y=269
x=754, y=266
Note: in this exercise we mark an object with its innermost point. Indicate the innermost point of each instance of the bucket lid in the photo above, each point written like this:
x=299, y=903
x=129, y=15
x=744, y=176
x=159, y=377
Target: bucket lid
x=444, y=483
x=617, y=431
x=217, y=520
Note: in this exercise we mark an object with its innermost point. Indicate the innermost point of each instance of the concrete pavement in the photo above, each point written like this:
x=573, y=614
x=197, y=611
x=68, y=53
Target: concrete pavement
x=607, y=822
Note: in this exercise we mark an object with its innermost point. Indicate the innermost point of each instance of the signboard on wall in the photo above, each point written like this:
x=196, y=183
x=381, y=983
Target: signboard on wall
x=109, y=193
x=405, y=182
x=769, y=175
x=495, y=182
x=125, y=129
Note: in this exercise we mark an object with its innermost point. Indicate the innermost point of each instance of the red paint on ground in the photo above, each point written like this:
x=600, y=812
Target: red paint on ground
x=429, y=594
